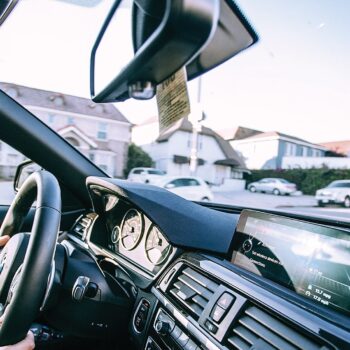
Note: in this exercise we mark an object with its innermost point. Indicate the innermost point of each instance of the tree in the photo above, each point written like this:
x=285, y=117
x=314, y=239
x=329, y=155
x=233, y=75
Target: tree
x=137, y=157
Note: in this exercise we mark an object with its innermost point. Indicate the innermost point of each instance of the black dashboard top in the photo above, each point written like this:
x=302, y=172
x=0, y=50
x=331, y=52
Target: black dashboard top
x=184, y=224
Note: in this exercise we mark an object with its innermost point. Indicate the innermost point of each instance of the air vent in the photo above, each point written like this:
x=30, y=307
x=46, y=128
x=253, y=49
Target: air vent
x=258, y=329
x=193, y=291
x=83, y=224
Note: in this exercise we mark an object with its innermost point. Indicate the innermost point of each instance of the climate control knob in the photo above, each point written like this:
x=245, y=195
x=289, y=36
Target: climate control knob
x=163, y=327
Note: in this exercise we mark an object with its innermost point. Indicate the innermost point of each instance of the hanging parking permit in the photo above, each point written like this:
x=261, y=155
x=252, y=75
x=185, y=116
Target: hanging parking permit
x=173, y=100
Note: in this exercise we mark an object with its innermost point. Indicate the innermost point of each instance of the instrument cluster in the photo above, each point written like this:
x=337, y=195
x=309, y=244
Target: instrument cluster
x=135, y=237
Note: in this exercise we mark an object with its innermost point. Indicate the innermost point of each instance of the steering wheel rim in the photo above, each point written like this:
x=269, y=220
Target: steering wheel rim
x=31, y=286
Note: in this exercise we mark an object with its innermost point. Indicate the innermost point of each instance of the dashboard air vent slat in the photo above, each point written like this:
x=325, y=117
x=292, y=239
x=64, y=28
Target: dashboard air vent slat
x=82, y=225
x=255, y=325
x=193, y=291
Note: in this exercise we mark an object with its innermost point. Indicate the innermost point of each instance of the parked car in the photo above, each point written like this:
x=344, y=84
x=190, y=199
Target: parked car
x=102, y=263
x=337, y=192
x=145, y=175
x=189, y=187
x=275, y=186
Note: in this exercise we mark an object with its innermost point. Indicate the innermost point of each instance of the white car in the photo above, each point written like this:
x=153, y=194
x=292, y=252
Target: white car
x=145, y=175
x=275, y=186
x=337, y=192
x=189, y=187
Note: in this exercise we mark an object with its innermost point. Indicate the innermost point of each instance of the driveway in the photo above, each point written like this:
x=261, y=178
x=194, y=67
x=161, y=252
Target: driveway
x=302, y=204
x=262, y=200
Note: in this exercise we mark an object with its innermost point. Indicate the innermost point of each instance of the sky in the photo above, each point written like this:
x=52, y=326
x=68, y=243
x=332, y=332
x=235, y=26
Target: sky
x=296, y=80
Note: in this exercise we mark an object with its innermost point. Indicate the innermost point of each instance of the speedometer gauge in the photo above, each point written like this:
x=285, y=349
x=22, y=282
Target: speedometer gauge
x=157, y=248
x=131, y=229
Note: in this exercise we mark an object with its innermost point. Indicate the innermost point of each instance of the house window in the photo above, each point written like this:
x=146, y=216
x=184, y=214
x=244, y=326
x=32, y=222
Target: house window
x=236, y=174
x=51, y=118
x=102, y=131
x=291, y=149
x=103, y=167
x=304, y=151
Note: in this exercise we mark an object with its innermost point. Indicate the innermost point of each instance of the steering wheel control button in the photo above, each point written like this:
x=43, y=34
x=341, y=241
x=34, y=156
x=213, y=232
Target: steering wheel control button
x=217, y=313
x=80, y=288
x=226, y=300
x=210, y=327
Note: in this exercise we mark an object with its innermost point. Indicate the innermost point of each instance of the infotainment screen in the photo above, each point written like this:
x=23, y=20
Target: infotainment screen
x=310, y=259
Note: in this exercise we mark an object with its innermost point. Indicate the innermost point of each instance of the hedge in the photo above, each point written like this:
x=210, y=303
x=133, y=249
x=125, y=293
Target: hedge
x=307, y=180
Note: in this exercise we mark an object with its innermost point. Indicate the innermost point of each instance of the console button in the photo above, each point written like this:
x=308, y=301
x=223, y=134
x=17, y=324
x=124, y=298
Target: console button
x=226, y=300
x=190, y=345
x=217, y=313
x=210, y=327
x=141, y=315
x=183, y=339
x=176, y=332
x=163, y=328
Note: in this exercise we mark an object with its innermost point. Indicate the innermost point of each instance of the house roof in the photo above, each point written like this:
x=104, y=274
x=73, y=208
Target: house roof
x=185, y=125
x=238, y=133
x=78, y=133
x=280, y=134
x=28, y=96
x=342, y=147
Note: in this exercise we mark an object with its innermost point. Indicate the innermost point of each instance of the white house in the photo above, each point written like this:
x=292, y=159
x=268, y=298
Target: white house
x=269, y=150
x=171, y=151
x=99, y=131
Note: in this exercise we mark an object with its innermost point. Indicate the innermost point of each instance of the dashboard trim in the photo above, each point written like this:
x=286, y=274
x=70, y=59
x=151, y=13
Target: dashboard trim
x=295, y=314
x=188, y=323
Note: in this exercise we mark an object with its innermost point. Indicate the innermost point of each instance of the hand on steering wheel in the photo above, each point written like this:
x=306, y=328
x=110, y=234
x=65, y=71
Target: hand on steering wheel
x=28, y=342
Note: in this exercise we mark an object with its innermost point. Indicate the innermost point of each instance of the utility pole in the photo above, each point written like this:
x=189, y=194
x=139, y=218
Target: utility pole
x=195, y=118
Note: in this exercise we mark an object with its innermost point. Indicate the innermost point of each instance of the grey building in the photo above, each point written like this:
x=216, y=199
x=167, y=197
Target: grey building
x=100, y=131
x=268, y=150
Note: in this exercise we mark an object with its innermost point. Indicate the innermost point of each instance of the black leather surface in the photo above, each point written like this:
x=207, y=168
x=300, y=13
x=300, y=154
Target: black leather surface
x=29, y=293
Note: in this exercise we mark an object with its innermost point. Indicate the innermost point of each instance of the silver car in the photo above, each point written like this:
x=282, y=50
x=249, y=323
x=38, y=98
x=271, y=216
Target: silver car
x=337, y=192
x=276, y=186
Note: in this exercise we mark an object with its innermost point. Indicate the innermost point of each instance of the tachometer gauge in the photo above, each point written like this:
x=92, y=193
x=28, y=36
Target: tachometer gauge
x=157, y=248
x=131, y=230
x=115, y=235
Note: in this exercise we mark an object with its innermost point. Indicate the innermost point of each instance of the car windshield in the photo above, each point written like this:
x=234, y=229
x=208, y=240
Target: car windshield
x=278, y=110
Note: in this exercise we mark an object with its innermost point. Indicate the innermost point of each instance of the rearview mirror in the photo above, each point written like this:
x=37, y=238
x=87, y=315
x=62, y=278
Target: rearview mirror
x=6, y=7
x=144, y=42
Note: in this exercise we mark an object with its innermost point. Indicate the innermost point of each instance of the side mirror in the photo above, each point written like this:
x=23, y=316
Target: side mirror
x=166, y=35
x=169, y=186
x=23, y=171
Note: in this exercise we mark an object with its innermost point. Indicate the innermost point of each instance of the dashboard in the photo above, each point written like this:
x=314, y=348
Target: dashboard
x=131, y=235
x=280, y=283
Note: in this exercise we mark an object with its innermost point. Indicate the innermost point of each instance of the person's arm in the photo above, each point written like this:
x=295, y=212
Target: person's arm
x=28, y=342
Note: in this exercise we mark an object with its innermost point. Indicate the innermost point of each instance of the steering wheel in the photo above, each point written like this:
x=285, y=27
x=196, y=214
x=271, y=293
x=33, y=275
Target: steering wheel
x=27, y=260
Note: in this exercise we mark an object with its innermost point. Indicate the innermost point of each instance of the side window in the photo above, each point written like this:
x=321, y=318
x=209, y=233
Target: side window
x=192, y=182
x=9, y=159
x=177, y=183
x=137, y=171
